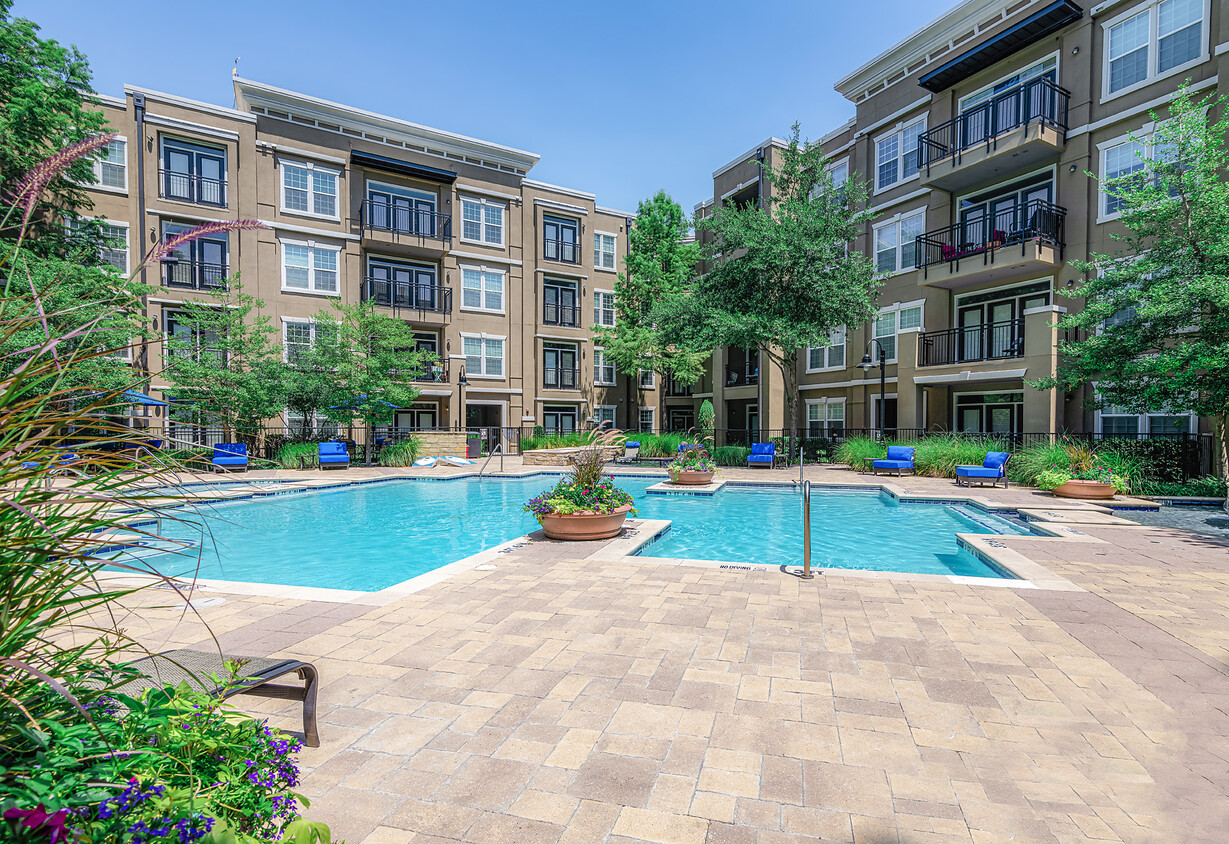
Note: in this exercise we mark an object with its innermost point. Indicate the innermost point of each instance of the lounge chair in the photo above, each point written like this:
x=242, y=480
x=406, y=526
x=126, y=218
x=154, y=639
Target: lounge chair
x=992, y=469
x=900, y=457
x=763, y=455
x=631, y=451
x=170, y=668
x=230, y=456
x=334, y=455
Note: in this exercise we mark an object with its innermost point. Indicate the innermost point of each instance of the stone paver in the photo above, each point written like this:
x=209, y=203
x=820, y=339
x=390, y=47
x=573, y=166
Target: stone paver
x=554, y=699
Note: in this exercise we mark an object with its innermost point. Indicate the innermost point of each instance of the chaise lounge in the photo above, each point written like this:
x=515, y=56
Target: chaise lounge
x=230, y=456
x=762, y=456
x=900, y=457
x=993, y=469
x=334, y=455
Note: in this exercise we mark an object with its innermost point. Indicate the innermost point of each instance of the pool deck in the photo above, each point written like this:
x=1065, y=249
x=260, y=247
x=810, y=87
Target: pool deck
x=548, y=697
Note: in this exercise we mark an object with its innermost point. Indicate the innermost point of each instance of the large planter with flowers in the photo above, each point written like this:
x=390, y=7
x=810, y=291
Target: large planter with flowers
x=1088, y=490
x=585, y=505
x=1086, y=478
x=692, y=467
x=584, y=524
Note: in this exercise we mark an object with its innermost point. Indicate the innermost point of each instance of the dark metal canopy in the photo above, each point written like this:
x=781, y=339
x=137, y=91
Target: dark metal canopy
x=1043, y=22
x=404, y=168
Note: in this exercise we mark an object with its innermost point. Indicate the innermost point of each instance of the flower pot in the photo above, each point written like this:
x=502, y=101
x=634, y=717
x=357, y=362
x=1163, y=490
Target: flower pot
x=687, y=477
x=576, y=527
x=1091, y=490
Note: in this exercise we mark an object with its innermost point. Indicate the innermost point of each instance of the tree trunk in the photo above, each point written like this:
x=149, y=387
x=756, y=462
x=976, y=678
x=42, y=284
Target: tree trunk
x=1222, y=448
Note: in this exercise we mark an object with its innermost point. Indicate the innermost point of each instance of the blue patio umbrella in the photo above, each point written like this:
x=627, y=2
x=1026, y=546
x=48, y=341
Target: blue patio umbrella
x=361, y=399
x=137, y=397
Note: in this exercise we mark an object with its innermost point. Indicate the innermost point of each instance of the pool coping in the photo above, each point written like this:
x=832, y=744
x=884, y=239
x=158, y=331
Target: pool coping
x=1024, y=572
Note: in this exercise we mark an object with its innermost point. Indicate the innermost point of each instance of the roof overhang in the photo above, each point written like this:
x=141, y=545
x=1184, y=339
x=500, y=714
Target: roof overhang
x=369, y=161
x=1045, y=21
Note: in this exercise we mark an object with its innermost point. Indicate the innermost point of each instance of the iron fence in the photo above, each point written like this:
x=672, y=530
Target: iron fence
x=983, y=237
x=995, y=341
x=395, y=218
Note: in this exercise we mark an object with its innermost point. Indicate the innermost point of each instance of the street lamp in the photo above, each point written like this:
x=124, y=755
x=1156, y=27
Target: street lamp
x=462, y=383
x=866, y=366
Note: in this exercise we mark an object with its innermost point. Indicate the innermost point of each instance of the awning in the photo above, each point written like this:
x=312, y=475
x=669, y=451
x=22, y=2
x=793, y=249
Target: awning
x=1043, y=22
x=403, y=168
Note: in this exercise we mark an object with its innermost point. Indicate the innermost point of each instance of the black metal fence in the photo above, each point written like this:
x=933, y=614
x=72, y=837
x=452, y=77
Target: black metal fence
x=982, y=237
x=408, y=295
x=994, y=341
x=191, y=187
x=395, y=218
x=198, y=275
x=564, y=251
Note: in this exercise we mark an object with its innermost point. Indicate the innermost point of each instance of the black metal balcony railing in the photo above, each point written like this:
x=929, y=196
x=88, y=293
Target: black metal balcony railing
x=1035, y=101
x=405, y=294
x=735, y=377
x=994, y=341
x=198, y=275
x=398, y=219
x=189, y=187
x=984, y=236
x=560, y=314
x=559, y=378
x=674, y=388
x=564, y=251
x=432, y=373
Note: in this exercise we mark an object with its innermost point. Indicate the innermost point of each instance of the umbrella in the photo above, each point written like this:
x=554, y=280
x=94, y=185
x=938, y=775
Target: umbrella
x=357, y=400
x=137, y=397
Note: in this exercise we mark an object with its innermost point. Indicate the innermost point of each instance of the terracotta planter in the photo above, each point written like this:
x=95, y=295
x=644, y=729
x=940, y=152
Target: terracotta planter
x=576, y=527
x=691, y=478
x=1090, y=490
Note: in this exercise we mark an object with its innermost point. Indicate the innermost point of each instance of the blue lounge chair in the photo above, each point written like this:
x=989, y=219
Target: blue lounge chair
x=230, y=456
x=993, y=469
x=631, y=452
x=334, y=455
x=762, y=455
x=900, y=457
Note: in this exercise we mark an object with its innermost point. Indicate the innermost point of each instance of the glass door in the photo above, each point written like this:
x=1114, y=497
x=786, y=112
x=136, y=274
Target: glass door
x=559, y=364
x=560, y=240
x=1002, y=339
x=969, y=420
x=559, y=303
x=970, y=346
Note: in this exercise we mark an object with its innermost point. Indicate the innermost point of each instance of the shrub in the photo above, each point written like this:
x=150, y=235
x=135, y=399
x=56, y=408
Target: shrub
x=585, y=488
x=731, y=455
x=706, y=419
x=1051, y=478
x=662, y=445
x=1205, y=487
x=401, y=453
x=287, y=456
x=853, y=450
x=544, y=440
x=1027, y=464
x=938, y=456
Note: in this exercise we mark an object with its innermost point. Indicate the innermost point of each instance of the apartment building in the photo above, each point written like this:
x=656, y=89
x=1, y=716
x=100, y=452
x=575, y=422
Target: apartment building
x=975, y=135
x=501, y=276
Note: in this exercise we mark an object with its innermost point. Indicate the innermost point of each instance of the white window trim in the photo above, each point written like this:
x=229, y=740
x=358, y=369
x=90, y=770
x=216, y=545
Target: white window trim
x=309, y=166
x=895, y=221
x=97, y=164
x=615, y=268
x=652, y=411
x=895, y=309
x=484, y=269
x=1153, y=49
x=614, y=416
x=599, y=350
x=504, y=357
x=310, y=290
x=1142, y=430
x=652, y=380
x=823, y=401
x=898, y=129
x=1143, y=136
x=610, y=293
x=503, y=229
x=296, y=321
x=844, y=366
x=127, y=238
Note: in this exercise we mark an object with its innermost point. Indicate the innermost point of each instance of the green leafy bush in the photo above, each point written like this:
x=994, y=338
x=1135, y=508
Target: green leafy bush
x=662, y=445
x=1051, y=478
x=287, y=456
x=731, y=455
x=544, y=440
x=853, y=450
x=938, y=456
x=1205, y=487
x=401, y=453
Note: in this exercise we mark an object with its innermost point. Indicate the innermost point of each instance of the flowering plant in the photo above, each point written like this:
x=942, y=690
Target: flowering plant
x=692, y=459
x=567, y=497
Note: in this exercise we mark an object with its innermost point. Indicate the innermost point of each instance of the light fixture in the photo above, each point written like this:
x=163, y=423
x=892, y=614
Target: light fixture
x=866, y=363
x=1075, y=51
x=461, y=382
x=1072, y=168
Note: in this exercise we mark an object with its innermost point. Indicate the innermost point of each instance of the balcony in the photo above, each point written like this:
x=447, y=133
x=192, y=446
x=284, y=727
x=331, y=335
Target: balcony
x=193, y=275
x=563, y=251
x=970, y=344
x=190, y=187
x=676, y=390
x=432, y=373
x=420, y=231
x=560, y=378
x=737, y=376
x=1014, y=241
x=564, y=315
x=982, y=145
x=405, y=295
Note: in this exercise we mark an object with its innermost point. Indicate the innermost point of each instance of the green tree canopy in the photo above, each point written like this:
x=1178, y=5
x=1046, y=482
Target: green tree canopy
x=1154, y=331
x=782, y=277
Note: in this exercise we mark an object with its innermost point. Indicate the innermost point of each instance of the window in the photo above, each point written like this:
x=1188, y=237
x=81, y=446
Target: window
x=188, y=341
x=559, y=302
x=113, y=250
x=310, y=268
x=831, y=356
x=825, y=418
x=199, y=263
x=605, y=415
x=559, y=418
x=482, y=221
x=647, y=380
x=647, y=418
x=111, y=165
x=896, y=242
x=297, y=338
x=559, y=366
x=839, y=174
x=604, y=250
x=603, y=308
x=192, y=173
x=604, y=372
x=560, y=240
x=1146, y=45
x=482, y=289
x=484, y=356
x=896, y=155
x=307, y=189
x=893, y=321
x=1123, y=157
x=1117, y=421
x=318, y=425
x=400, y=210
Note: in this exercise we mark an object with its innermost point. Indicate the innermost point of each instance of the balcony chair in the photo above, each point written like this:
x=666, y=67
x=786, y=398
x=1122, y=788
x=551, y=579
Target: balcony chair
x=900, y=457
x=992, y=469
x=230, y=456
x=334, y=455
x=762, y=456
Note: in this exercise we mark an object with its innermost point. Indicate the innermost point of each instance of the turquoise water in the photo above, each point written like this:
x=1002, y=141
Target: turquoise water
x=371, y=536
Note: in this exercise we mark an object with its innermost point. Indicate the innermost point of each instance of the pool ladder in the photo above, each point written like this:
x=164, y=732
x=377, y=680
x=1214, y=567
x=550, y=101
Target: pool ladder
x=499, y=448
x=806, y=532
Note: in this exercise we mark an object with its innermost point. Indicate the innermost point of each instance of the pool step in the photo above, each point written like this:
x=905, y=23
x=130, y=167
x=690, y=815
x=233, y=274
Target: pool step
x=667, y=488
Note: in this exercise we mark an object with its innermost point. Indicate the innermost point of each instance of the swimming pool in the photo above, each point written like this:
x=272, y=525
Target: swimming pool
x=372, y=536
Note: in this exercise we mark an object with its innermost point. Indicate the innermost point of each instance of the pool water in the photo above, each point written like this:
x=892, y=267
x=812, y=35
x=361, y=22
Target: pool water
x=371, y=536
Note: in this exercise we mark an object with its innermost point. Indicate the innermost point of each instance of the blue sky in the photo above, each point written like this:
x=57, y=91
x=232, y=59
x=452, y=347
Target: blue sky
x=619, y=98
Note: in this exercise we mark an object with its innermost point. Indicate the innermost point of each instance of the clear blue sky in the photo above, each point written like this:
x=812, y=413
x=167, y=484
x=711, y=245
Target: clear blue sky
x=618, y=98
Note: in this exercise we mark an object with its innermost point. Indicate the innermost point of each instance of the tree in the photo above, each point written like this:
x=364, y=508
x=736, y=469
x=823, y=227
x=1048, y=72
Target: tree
x=780, y=278
x=225, y=363
x=44, y=93
x=374, y=362
x=311, y=381
x=1154, y=331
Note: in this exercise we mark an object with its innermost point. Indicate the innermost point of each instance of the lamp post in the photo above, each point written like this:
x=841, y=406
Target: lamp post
x=462, y=383
x=866, y=366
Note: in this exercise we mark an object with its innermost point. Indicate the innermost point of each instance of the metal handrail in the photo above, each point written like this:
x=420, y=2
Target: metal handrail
x=806, y=531
x=417, y=296
x=189, y=187
x=499, y=448
x=985, y=236
x=399, y=219
x=198, y=275
x=565, y=315
x=564, y=378
x=992, y=341
x=563, y=251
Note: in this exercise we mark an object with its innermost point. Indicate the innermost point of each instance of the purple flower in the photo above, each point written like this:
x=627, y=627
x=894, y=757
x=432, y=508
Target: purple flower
x=39, y=818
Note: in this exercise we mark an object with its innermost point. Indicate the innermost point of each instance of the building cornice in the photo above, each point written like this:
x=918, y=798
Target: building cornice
x=579, y=194
x=195, y=105
x=382, y=129
x=940, y=37
x=765, y=144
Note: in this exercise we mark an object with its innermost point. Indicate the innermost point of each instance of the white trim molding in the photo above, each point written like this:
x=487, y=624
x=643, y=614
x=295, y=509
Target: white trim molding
x=967, y=375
